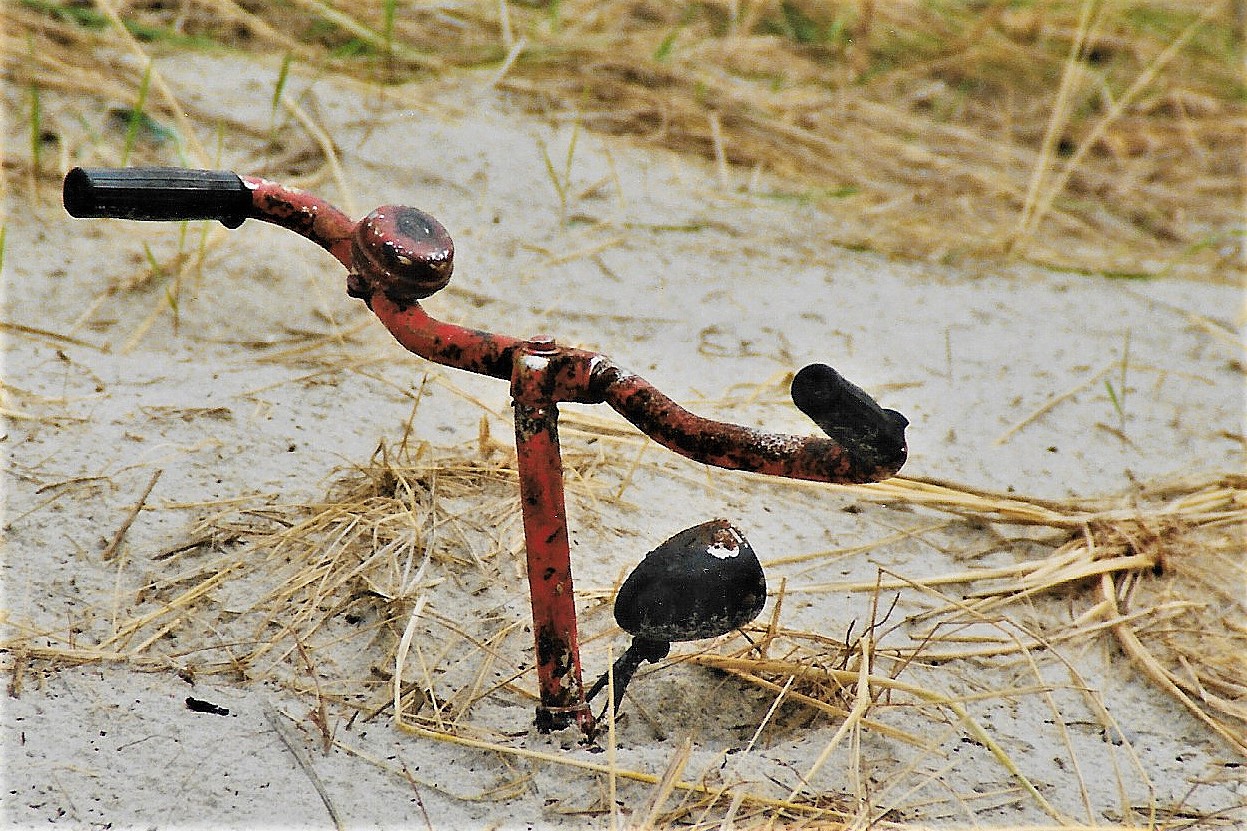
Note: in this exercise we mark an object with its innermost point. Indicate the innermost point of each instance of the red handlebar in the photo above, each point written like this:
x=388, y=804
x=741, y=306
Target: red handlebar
x=392, y=238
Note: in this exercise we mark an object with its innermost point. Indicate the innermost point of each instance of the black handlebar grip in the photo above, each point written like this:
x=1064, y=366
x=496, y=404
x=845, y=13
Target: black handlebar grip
x=846, y=413
x=157, y=193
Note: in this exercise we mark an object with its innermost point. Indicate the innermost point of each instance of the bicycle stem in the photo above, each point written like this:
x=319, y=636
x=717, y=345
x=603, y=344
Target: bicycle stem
x=395, y=257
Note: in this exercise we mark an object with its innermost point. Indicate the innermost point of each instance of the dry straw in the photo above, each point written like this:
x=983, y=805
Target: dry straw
x=1100, y=137
x=1071, y=134
x=347, y=602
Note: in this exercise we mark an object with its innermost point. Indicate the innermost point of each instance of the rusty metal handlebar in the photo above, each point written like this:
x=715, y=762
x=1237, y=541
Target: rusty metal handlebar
x=398, y=255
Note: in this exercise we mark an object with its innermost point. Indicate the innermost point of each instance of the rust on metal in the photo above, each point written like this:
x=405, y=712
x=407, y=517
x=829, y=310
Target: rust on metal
x=484, y=353
x=540, y=463
x=397, y=256
x=734, y=446
x=403, y=252
x=305, y=214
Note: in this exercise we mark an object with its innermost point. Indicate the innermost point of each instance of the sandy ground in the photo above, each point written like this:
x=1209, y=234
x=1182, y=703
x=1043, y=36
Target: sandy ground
x=273, y=379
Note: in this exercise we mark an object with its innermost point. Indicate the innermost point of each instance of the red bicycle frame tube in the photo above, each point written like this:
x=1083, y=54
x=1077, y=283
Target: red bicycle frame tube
x=543, y=374
x=545, y=536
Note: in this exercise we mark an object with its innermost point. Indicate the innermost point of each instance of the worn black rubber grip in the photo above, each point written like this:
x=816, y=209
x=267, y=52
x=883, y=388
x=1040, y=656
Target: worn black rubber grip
x=157, y=194
x=848, y=414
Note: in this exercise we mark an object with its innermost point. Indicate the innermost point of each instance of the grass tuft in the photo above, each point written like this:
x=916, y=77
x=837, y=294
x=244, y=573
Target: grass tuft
x=135, y=118
x=355, y=604
x=1103, y=138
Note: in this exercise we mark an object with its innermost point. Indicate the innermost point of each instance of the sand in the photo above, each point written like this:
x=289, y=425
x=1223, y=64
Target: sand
x=253, y=388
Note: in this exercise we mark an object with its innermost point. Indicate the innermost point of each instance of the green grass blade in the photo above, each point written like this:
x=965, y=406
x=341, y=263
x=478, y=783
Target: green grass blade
x=1112, y=396
x=136, y=115
x=387, y=25
x=36, y=118
x=668, y=43
x=152, y=262
x=36, y=130
x=279, y=88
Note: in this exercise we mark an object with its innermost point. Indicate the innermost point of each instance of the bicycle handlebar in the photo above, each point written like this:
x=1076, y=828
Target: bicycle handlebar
x=398, y=255
x=157, y=194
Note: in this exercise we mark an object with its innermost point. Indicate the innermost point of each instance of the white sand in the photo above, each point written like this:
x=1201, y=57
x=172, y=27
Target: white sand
x=694, y=287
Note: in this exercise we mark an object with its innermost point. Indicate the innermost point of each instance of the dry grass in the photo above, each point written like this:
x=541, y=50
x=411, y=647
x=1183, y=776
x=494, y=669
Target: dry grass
x=353, y=603
x=1093, y=137
x=1099, y=137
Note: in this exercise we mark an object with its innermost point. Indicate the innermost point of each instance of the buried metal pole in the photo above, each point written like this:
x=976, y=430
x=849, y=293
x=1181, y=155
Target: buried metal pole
x=545, y=534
